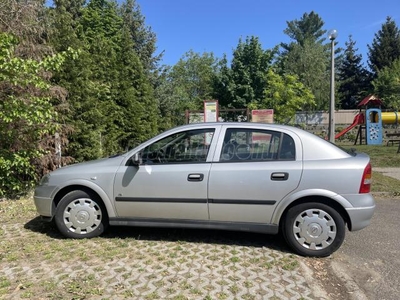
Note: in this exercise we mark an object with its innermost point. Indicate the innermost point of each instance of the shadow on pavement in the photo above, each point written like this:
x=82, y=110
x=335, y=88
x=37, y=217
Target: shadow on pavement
x=206, y=236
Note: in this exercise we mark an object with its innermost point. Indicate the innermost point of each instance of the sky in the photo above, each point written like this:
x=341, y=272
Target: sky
x=217, y=25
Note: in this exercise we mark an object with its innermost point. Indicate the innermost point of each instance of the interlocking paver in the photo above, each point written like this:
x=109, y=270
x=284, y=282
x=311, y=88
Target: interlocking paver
x=124, y=264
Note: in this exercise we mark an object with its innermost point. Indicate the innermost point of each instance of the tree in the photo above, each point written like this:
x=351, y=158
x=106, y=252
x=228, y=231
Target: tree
x=387, y=85
x=27, y=115
x=27, y=21
x=307, y=29
x=194, y=74
x=385, y=47
x=310, y=63
x=353, y=78
x=285, y=94
x=308, y=57
x=143, y=38
x=245, y=82
x=185, y=86
x=138, y=115
x=110, y=92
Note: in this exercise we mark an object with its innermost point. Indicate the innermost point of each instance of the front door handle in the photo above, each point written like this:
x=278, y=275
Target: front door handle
x=279, y=176
x=195, y=177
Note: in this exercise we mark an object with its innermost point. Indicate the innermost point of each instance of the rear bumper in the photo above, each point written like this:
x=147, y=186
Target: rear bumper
x=360, y=211
x=360, y=217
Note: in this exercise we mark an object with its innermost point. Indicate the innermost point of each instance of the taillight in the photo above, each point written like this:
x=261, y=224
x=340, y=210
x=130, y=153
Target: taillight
x=365, y=186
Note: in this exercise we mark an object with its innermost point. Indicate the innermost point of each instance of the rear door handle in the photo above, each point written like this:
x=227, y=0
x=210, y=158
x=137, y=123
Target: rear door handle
x=195, y=177
x=279, y=176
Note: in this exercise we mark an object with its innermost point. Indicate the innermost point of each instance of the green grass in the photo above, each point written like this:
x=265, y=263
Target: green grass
x=385, y=184
x=381, y=156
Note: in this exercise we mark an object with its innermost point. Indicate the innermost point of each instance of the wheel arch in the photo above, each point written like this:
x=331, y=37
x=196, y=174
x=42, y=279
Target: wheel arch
x=281, y=211
x=96, y=192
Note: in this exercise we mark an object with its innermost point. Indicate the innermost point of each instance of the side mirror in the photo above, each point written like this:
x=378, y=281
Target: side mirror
x=137, y=159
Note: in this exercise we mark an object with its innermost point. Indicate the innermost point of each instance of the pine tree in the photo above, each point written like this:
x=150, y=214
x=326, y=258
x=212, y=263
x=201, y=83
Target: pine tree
x=385, y=47
x=308, y=28
x=387, y=85
x=353, y=78
x=308, y=56
x=143, y=38
x=112, y=107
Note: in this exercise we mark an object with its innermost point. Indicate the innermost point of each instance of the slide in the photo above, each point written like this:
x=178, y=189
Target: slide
x=358, y=119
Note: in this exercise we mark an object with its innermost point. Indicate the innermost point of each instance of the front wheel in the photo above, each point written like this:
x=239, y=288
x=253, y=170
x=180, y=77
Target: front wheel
x=81, y=215
x=314, y=229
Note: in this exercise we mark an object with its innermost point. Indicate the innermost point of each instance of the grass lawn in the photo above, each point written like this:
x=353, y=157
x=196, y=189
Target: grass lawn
x=381, y=157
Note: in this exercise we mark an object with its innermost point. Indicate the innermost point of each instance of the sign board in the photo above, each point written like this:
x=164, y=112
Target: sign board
x=262, y=115
x=210, y=115
x=211, y=111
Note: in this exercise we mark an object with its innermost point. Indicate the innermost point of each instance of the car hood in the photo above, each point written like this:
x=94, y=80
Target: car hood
x=91, y=166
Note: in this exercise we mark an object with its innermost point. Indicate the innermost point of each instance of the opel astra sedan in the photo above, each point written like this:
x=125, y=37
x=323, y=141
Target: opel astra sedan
x=234, y=176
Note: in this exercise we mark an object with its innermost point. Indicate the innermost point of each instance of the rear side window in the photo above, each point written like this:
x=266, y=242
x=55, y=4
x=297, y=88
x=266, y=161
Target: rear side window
x=256, y=145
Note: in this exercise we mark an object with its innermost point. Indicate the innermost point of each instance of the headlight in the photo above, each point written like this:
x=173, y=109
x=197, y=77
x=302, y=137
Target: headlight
x=45, y=179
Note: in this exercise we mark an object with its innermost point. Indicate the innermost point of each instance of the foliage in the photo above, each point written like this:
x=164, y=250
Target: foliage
x=352, y=76
x=387, y=85
x=185, y=86
x=26, y=114
x=110, y=92
x=144, y=40
x=114, y=94
x=308, y=57
x=385, y=47
x=308, y=28
x=193, y=75
x=286, y=95
x=310, y=63
x=27, y=21
x=244, y=82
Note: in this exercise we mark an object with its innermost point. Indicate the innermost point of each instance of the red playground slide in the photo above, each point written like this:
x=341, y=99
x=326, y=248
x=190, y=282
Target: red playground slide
x=358, y=119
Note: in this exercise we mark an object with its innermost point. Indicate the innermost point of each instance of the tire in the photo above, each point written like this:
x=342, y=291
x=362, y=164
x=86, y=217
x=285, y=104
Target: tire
x=81, y=214
x=313, y=229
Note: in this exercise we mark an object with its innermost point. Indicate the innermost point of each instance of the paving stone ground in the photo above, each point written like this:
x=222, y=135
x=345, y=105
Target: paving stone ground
x=146, y=263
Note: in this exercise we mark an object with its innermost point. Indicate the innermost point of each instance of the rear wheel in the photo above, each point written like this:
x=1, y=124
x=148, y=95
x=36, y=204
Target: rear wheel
x=314, y=229
x=81, y=215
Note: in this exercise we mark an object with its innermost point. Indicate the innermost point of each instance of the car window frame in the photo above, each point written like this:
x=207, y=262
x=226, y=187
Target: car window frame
x=130, y=156
x=279, y=132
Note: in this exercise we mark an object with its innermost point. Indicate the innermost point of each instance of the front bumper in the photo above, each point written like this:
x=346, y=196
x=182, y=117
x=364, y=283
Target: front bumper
x=43, y=200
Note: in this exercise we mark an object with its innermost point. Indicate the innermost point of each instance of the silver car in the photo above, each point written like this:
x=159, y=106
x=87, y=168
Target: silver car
x=236, y=176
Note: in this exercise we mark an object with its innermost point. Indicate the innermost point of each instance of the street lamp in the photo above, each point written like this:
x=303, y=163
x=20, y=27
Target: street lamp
x=332, y=35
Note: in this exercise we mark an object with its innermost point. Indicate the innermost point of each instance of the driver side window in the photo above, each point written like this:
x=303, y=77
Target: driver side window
x=182, y=147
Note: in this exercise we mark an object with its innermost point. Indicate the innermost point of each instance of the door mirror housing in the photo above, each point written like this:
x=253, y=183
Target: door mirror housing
x=136, y=159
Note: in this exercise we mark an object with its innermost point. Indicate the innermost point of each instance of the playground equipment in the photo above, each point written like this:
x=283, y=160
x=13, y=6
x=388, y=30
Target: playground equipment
x=371, y=121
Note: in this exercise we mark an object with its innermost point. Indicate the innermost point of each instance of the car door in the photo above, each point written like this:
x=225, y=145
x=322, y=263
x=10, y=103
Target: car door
x=171, y=182
x=253, y=170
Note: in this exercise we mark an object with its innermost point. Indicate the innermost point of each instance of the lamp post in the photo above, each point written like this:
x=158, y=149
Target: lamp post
x=332, y=35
